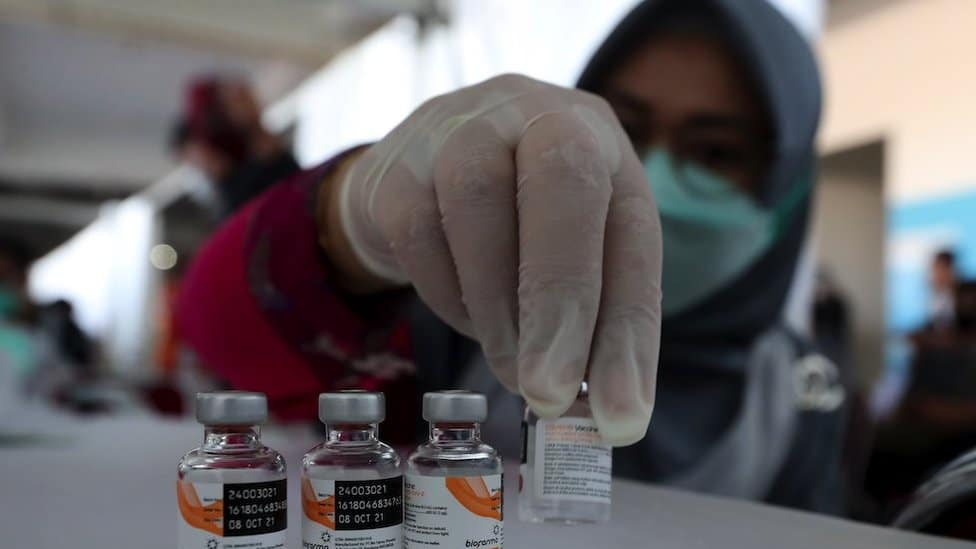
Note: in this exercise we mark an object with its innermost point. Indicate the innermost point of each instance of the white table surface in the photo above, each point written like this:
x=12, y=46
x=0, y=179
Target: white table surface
x=109, y=484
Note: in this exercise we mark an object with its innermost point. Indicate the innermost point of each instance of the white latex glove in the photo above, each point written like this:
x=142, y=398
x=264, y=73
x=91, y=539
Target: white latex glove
x=521, y=214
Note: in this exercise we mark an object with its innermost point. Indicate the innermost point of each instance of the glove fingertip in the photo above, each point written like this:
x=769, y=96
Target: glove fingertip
x=623, y=432
x=621, y=423
x=547, y=405
x=505, y=369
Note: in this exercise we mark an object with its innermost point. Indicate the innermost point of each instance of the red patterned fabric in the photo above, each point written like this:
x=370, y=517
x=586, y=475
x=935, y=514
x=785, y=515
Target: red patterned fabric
x=259, y=308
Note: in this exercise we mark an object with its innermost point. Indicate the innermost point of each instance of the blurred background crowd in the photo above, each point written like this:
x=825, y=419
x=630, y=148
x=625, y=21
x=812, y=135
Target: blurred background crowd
x=130, y=130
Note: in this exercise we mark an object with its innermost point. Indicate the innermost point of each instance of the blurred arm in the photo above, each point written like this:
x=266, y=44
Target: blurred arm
x=264, y=310
x=350, y=273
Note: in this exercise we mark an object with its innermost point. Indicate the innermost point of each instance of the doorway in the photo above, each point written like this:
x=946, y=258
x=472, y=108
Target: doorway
x=849, y=242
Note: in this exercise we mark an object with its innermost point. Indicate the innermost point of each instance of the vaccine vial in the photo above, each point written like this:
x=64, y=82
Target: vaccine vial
x=453, y=484
x=565, y=470
x=232, y=491
x=352, y=487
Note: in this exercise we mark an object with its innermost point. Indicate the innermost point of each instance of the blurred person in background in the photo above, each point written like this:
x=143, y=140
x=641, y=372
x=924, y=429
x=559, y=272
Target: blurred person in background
x=942, y=292
x=947, y=323
x=525, y=217
x=30, y=363
x=220, y=133
x=57, y=319
x=831, y=319
x=169, y=348
x=934, y=420
x=966, y=309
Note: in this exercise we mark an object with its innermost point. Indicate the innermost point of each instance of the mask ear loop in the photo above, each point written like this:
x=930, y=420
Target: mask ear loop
x=784, y=212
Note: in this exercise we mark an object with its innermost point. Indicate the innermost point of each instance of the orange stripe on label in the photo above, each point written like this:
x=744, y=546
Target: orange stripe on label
x=473, y=494
x=321, y=512
x=209, y=518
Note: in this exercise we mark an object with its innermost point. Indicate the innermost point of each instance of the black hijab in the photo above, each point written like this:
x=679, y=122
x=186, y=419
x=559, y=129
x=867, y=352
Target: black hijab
x=704, y=350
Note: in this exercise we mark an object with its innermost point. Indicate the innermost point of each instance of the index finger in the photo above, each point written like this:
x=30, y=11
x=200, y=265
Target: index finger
x=623, y=365
x=562, y=196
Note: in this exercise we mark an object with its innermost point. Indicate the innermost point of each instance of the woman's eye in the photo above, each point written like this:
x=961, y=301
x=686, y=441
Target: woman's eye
x=718, y=156
x=636, y=134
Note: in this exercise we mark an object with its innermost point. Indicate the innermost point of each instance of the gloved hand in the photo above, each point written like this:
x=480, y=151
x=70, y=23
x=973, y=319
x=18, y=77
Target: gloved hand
x=521, y=214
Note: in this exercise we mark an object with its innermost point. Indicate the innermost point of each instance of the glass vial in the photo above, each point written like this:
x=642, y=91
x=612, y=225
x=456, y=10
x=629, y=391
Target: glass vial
x=352, y=487
x=565, y=470
x=453, y=485
x=232, y=491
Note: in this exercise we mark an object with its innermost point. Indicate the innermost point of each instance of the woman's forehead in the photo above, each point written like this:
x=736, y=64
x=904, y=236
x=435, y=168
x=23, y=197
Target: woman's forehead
x=678, y=75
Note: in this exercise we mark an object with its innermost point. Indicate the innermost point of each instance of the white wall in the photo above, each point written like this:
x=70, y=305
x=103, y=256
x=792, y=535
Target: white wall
x=372, y=86
x=78, y=107
x=905, y=72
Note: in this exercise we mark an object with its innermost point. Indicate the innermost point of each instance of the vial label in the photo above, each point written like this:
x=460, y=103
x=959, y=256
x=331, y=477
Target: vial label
x=572, y=463
x=249, y=515
x=352, y=514
x=453, y=512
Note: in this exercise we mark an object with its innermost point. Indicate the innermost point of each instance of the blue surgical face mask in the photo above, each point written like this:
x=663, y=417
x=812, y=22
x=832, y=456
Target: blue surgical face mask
x=712, y=230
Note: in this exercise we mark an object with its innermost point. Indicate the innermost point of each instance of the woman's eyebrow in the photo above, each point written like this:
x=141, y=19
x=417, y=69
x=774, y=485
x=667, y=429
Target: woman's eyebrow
x=620, y=98
x=724, y=121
